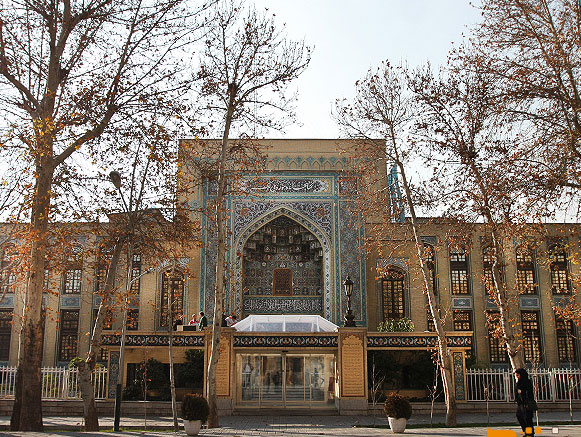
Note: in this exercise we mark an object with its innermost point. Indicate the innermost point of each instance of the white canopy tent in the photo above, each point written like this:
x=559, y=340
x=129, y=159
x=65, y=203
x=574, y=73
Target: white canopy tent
x=285, y=323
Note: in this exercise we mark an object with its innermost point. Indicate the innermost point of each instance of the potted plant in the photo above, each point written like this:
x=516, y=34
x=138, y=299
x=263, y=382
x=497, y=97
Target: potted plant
x=195, y=410
x=398, y=410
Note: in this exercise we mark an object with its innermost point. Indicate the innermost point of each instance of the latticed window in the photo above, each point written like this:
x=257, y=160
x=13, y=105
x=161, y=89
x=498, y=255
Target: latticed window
x=531, y=336
x=459, y=272
x=69, y=335
x=7, y=272
x=431, y=325
x=495, y=343
x=73, y=281
x=133, y=319
x=282, y=282
x=566, y=340
x=100, y=277
x=103, y=261
x=73, y=274
x=431, y=264
x=103, y=355
x=107, y=321
x=525, y=271
x=559, y=271
x=392, y=289
x=463, y=320
x=136, y=273
x=487, y=263
x=172, y=286
x=5, y=334
x=46, y=280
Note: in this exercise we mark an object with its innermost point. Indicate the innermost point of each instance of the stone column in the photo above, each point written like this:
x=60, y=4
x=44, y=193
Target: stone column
x=352, y=369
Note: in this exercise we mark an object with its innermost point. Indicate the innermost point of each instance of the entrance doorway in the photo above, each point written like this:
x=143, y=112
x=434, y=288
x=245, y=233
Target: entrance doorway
x=286, y=380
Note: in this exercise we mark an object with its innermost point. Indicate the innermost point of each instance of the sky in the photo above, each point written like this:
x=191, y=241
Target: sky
x=349, y=37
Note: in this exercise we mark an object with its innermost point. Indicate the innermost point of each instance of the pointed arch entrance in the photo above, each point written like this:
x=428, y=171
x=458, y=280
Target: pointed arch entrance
x=283, y=264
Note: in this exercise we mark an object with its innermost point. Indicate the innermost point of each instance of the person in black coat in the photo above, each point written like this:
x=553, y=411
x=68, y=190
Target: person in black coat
x=525, y=399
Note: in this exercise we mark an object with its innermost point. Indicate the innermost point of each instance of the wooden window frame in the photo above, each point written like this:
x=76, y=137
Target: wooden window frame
x=393, y=307
x=68, y=335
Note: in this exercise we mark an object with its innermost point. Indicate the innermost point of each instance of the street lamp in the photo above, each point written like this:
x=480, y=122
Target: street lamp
x=115, y=178
x=349, y=317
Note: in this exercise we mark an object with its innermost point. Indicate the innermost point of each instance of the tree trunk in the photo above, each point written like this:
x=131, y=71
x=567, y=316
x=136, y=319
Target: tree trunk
x=220, y=287
x=88, y=395
x=444, y=357
x=172, y=384
x=511, y=334
x=86, y=368
x=27, y=410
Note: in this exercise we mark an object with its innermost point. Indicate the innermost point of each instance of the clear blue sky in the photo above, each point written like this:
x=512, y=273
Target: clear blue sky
x=351, y=36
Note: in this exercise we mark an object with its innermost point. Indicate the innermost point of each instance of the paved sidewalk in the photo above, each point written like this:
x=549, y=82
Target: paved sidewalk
x=286, y=426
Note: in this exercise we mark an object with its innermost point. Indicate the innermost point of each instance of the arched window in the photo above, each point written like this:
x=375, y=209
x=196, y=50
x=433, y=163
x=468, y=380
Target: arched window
x=172, y=291
x=392, y=291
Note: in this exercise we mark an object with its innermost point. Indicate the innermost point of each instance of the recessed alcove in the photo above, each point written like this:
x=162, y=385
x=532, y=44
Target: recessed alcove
x=282, y=259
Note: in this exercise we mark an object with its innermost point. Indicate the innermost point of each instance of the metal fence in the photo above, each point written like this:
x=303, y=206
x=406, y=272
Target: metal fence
x=551, y=385
x=57, y=382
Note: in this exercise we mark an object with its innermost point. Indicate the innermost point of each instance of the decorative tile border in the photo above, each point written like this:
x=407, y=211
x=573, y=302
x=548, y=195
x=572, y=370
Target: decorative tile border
x=283, y=305
x=113, y=371
x=431, y=240
x=562, y=301
x=529, y=302
x=375, y=341
x=8, y=301
x=285, y=341
x=458, y=363
x=192, y=340
x=70, y=301
x=246, y=212
x=286, y=210
x=416, y=341
x=282, y=184
x=384, y=263
x=461, y=302
x=490, y=304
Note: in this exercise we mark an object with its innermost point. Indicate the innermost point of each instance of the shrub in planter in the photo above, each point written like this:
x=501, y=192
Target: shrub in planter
x=398, y=410
x=195, y=410
x=195, y=407
x=397, y=406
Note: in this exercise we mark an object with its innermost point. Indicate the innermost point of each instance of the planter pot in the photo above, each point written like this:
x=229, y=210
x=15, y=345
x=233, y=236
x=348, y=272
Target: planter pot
x=192, y=427
x=397, y=425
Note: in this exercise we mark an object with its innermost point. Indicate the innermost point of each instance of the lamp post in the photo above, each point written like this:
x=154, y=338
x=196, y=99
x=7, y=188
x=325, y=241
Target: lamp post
x=349, y=317
x=115, y=178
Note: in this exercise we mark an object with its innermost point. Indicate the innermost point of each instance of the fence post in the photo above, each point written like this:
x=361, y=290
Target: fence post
x=507, y=386
x=552, y=384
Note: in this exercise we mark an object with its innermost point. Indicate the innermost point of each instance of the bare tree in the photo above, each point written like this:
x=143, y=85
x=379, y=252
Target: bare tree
x=244, y=73
x=533, y=50
x=69, y=71
x=469, y=143
x=384, y=107
x=152, y=223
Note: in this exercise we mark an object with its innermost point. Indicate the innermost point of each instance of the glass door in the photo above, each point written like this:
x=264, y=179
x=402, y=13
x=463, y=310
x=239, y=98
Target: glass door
x=271, y=389
x=295, y=387
x=285, y=380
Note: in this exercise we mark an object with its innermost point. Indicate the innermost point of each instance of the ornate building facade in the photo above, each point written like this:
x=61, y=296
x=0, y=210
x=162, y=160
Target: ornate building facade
x=295, y=235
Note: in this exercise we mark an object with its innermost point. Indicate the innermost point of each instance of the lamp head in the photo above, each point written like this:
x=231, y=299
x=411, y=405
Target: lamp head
x=115, y=178
x=348, y=284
